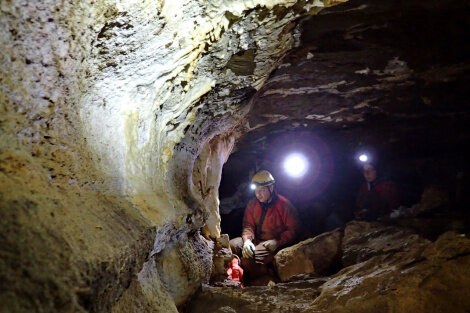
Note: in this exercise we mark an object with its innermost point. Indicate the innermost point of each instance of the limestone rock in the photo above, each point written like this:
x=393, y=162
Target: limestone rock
x=433, y=280
x=353, y=92
x=281, y=298
x=363, y=240
x=206, y=178
x=450, y=245
x=317, y=255
x=112, y=115
x=222, y=256
x=425, y=277
x=146, y=294
x=221, y=260
x=183, y=267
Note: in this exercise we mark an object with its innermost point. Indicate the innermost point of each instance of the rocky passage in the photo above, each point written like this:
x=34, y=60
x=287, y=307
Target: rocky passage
x=386, y=269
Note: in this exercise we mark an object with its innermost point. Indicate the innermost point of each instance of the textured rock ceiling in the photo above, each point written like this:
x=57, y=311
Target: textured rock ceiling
x=398, y=62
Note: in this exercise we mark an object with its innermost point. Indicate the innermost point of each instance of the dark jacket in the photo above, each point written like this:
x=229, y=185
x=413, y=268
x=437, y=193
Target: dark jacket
x=377, y=198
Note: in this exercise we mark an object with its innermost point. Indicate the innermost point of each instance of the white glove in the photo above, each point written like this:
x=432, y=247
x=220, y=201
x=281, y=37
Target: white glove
x=270, y=244
x=248, y=249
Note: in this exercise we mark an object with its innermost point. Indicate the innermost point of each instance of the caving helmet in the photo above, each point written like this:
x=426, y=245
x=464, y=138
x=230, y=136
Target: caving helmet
x=262, y=178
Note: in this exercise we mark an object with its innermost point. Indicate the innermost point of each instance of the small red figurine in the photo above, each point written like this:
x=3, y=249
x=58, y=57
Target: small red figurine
x=235, y=272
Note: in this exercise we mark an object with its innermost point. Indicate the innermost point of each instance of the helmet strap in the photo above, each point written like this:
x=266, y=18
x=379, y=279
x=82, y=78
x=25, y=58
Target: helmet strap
x=271, y=200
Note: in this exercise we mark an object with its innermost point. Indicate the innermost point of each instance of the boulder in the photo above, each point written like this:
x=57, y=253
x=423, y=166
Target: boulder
x=363, y=240
x=221, y=260
x=279, y=298
x=182, y=267
x=425, y=277
x=435, y=279
x=317, y=255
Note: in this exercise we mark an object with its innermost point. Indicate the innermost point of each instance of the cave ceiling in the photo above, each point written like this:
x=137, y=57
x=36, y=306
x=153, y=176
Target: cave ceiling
x=378, y=71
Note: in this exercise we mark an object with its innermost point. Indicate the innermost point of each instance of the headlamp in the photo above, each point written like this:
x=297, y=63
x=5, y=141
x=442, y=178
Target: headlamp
x=363, y=157
x=296, y=165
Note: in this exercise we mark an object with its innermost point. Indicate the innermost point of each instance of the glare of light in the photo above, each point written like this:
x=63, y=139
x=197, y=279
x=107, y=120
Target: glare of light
x=363, y=158
x=252, y=186
x=295, y=165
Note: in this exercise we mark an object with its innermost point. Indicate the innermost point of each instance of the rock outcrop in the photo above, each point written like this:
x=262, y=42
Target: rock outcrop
x=425, y=278
x=401, y=276
x=363, y=240
x=319, y=256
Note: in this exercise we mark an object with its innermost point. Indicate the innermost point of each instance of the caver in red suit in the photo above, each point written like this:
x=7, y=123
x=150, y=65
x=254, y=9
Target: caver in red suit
x=269, y=226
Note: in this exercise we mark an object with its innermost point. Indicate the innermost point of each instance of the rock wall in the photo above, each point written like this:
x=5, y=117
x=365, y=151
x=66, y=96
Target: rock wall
x=206, y=183
x=104, y=108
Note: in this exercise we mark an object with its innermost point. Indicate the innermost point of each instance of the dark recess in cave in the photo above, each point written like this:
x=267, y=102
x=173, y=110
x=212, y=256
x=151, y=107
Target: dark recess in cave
x=416, y=124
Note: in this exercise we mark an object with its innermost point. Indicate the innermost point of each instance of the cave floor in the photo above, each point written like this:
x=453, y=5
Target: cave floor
x=411, y=265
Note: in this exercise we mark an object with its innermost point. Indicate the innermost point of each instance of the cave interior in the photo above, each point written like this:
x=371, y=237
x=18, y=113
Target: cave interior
x=329, y=100
x=130, y=131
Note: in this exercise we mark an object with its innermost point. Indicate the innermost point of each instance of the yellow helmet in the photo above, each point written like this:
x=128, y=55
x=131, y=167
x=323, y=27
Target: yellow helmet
x=263, y=178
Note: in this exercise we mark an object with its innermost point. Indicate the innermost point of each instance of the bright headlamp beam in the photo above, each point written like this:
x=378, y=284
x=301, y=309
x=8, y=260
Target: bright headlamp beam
x=252, y=186
x=363, y=158
x=295, y=165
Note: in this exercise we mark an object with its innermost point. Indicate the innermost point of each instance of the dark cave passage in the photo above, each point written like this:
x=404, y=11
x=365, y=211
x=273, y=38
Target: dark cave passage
x=325, y=196
x=364, y=78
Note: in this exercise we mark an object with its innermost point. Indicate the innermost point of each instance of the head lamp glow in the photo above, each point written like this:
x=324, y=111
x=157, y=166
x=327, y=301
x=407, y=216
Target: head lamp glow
x=252, y=186
x=295, y=165
x=363, y=158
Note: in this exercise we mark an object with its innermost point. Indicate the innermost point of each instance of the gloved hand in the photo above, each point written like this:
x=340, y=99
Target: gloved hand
x=270, y=244
x=248, y=249
x=395, y=214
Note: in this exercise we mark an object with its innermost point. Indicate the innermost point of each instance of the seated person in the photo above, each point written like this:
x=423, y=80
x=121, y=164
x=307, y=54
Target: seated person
x=269, y=224
x=377, y=196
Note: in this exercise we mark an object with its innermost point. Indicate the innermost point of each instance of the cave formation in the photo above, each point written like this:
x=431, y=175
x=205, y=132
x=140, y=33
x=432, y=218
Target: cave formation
x=122, y=121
